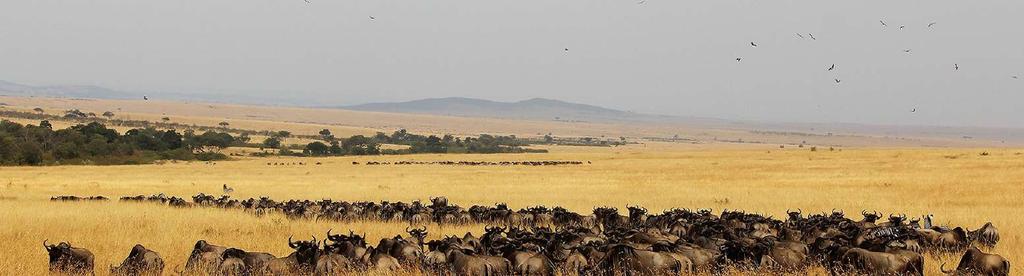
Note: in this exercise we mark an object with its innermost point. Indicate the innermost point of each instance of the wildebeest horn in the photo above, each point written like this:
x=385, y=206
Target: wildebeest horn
x=407, y=229
x=329, y=232
x=290, y=243
x=46, y=246
x=863, y=212
x=943, y=269
x=798, y=210
x=787, y=211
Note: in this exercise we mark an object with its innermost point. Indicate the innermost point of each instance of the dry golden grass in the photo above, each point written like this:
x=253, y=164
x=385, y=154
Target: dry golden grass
x=959, y=186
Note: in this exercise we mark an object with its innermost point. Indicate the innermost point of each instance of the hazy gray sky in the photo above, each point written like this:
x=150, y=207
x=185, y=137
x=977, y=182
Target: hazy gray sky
x=665, y=56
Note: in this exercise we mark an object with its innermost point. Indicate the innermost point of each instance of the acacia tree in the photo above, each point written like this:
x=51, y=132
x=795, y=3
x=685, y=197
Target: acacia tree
x=223, y=124
x=108, y=114
x=38, y=110
x=326, y=135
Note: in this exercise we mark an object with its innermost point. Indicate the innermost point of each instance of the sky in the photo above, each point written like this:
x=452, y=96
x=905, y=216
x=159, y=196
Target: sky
x=661, y=56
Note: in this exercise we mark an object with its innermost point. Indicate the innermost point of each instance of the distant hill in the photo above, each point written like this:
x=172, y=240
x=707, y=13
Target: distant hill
x=66, y=91
x=532, y=109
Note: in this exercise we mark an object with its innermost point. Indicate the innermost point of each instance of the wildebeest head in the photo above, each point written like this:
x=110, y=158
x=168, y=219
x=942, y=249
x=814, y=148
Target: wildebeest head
x=870, y=217
x=837, y=214
x=635, y=211
x=897, y=220
x=420, y=234
x=306, y=252
x=795, y=215
x=57, y=251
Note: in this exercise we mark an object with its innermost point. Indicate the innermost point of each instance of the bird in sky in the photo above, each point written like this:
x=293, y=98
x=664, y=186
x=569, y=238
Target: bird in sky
x=145, y=98
x=307, y=2
x=956, y=66
x=832, y=67
x=901, y=27
x=1014, y=77
x=752, y=44
x=913, y=110
x=906, y=51
x=812, y=36
x=373, y=18
x=566, y=50
x=931, y=24
x=837, y=80
x=799, y=35
x=738, y=59
x=883, y=23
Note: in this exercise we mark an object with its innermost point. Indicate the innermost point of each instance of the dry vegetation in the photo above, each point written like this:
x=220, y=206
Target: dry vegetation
x=959, y=186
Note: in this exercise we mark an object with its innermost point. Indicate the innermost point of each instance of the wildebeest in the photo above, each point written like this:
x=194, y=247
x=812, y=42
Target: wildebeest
x=631, y=261
x=975, y=262
x=987, y=235
x=66, y=259
x=240, y=262
x=205, y=258
x=140, y=261
x=884, y=263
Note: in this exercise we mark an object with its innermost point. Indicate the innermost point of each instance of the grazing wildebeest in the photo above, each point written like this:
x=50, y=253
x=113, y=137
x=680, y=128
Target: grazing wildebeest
x=66, y=259
x=883, y=263
x=975, y=262
x=464, y=262
x=987, y=235
x=239, y=262
x=205, y=258
x=625, y=259
x=140, y=261
x=379, y=259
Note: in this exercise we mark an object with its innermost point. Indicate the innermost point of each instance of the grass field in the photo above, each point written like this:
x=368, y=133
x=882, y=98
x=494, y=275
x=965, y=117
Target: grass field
x=959, y=186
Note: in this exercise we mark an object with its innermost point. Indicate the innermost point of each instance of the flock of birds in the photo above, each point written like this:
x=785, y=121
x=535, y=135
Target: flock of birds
x=837, y=80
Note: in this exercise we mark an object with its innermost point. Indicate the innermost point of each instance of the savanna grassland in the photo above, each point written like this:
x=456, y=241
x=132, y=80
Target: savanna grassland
x=959, y=186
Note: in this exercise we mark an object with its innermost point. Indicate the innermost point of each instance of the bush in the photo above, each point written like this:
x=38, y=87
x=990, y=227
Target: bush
x=210, y=156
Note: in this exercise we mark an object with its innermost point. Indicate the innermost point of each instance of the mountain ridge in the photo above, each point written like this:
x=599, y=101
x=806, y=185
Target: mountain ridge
x=533, y=108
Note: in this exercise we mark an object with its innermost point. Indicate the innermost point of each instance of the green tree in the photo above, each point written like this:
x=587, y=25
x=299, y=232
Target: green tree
x=326, y=135
x=272, y=142
x=316, y=149
x=360, y=145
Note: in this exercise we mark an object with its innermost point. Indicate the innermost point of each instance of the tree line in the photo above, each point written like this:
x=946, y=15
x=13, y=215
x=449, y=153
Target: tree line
x=94, y=143
x=362, y=145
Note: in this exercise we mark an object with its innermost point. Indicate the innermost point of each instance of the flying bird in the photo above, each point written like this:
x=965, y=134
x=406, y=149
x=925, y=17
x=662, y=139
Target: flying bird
x=956, y=66
x=883, y=23
x=833, y=67
x=1014, y=77
x=812, y=36
x=373, y=18
x=913, y=110
x=228, y=190
x=906, y=51
x=931, y=24
x=837, y=80
x=901, y=27
x=307, y=2
x=145, y=98
x=566, y=50
x=738, y=59
x=752, y=44
x=800, y=35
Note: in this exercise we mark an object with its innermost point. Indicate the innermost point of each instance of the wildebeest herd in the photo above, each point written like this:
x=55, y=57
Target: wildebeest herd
x=546, y=241
x=480, y=163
